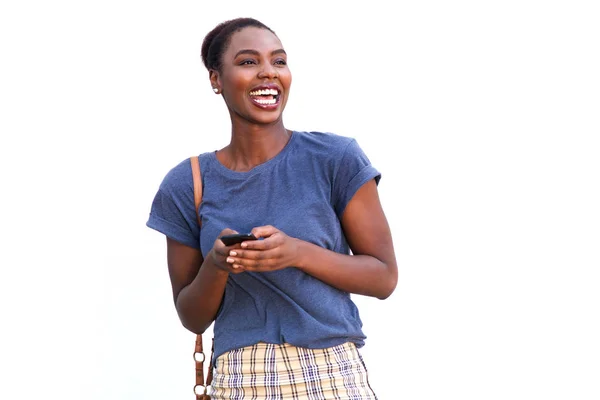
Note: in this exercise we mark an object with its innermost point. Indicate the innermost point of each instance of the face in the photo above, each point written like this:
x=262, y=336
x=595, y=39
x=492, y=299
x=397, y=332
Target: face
x=254, y=78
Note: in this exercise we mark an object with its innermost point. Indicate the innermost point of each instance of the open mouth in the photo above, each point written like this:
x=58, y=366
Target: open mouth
x=265, y=97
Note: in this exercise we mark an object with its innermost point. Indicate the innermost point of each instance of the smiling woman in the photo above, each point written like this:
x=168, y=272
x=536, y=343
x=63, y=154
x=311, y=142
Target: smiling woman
x=285, y=324
x=250, y=70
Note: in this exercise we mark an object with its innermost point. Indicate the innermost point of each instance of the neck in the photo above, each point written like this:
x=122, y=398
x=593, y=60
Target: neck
x=253, y=145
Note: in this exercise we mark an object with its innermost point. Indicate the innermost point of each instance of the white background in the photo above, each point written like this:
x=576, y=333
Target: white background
x=482, y=116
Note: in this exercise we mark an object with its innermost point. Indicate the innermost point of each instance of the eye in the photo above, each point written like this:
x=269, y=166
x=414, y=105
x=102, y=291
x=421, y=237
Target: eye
x=247, y=62
x=280, y=61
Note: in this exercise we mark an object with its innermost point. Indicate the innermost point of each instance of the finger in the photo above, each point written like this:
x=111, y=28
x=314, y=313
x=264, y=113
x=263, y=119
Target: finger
x=253, y=265
x=264, y=231
x=244, y=254
x=218, y=243
x=237, y=269
x=261, y=244
x=250, y=257
x=234, y=265
x=230, y=268
x=227, y=231
x=233, y=262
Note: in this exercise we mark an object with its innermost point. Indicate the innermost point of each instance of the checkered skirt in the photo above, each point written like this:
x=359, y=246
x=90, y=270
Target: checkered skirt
x=282, y=371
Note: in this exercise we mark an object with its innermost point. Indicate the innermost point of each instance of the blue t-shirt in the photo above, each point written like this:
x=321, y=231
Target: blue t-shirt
x=303, y=192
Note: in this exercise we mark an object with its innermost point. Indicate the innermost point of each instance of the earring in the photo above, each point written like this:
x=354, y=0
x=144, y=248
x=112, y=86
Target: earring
x=216, y=90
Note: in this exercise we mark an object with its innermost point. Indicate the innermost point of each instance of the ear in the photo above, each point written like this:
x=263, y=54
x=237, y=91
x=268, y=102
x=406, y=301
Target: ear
x=215, y=80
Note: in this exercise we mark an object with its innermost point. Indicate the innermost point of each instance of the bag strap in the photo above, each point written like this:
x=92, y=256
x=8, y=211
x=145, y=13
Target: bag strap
x=197, y=185
x=201, y=389
x=199, y=355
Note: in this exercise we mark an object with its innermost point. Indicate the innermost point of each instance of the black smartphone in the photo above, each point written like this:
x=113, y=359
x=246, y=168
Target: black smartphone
x=236, y=238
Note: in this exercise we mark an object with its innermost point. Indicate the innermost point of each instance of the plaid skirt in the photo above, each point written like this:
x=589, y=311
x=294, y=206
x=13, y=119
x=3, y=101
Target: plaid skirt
x=282, y=371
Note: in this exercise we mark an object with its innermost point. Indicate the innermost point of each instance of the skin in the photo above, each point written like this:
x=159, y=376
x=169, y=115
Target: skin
x=258, y=135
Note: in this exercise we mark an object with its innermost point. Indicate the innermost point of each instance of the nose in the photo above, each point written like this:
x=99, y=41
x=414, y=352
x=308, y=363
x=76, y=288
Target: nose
x=268, y=71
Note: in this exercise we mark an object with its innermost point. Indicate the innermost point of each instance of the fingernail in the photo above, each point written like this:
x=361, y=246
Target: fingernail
x=229, y=259
x=232, y=253
x=244, y=244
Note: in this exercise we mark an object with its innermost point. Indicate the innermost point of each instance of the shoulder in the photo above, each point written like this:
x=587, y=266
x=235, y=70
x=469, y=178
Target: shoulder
x=173, y=212
x=328, y=143
x=324, y=138
x=177, y=178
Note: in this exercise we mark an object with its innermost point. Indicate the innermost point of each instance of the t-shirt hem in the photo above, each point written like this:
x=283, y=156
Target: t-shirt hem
x=365, y=175
x=320, y=344
x=172, y=231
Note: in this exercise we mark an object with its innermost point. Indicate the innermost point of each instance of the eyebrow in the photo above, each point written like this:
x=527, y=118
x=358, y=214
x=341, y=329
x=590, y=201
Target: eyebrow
x=256, y=53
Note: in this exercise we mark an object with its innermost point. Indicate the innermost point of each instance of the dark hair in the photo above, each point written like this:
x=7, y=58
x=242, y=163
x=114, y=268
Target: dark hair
x=216, y=41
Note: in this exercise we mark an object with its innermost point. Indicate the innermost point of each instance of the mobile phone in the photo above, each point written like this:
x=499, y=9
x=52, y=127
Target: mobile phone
x=230, y=240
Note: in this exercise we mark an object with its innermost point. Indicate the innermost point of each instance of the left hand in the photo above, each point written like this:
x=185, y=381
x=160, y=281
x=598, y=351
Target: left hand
x=275, y=251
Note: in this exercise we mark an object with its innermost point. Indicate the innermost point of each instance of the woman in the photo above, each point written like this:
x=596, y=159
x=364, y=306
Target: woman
x=285, y=325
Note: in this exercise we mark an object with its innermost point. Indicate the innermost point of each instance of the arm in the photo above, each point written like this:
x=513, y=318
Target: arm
x=370, y=271
x=198, y=284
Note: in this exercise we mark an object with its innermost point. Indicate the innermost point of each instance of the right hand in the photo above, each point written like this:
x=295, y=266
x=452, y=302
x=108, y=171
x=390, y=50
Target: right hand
x=219, y=253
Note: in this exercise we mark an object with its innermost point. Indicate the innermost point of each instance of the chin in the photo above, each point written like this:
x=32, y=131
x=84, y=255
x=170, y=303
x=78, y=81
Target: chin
x=265, y=118
x=267, y=121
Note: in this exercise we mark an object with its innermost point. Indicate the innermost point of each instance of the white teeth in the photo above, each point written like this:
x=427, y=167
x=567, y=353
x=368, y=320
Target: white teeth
x=261, y=101
x=265, y=92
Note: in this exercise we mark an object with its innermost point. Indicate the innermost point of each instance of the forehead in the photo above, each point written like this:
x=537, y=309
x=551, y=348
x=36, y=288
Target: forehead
x=253, y=38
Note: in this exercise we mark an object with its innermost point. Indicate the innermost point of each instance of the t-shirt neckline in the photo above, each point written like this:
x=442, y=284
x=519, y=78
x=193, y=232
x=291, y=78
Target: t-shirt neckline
x=223, y=169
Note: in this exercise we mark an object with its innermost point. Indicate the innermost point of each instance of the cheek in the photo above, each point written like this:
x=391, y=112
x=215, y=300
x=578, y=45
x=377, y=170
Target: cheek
x=286, y=79
x=237, y=84
x=240, y=83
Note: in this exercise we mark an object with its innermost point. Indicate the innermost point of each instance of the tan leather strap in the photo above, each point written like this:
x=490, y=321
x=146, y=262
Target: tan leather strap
x=197, y=185
x=199, y=356
x=200, y=389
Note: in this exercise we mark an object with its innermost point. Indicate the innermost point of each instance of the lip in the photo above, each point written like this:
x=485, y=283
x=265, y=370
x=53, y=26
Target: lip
x=264, y=86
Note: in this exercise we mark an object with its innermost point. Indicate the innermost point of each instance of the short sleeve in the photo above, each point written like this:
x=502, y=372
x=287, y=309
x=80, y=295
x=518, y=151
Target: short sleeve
x=354, y=170
x=172, y=212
